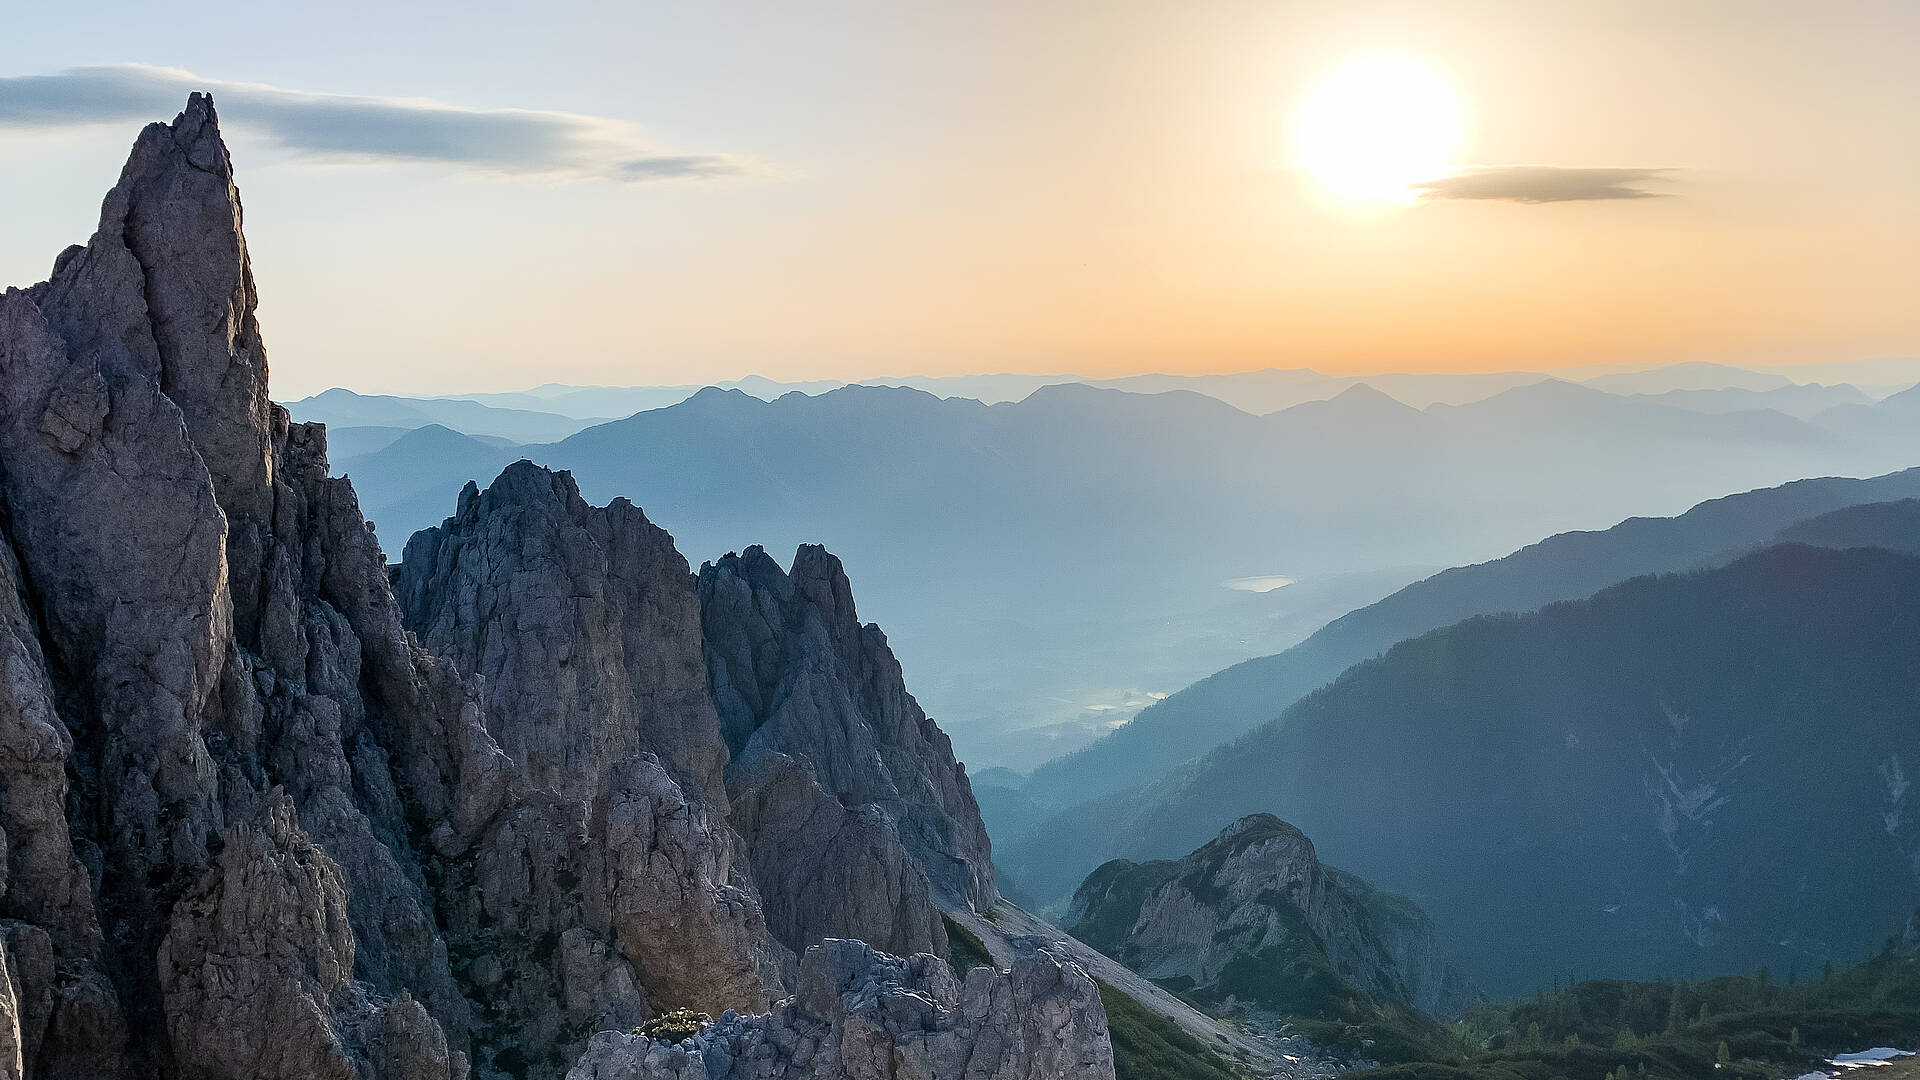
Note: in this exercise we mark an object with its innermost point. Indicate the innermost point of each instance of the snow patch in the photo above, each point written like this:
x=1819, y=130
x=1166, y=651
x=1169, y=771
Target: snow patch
x=1879, y=1055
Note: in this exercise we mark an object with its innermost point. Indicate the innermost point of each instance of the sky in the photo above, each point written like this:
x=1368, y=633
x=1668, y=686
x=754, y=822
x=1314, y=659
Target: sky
x=489, y=196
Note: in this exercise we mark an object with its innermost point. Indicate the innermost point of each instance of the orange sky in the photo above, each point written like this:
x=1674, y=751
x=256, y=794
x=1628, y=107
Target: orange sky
x=1100, y=188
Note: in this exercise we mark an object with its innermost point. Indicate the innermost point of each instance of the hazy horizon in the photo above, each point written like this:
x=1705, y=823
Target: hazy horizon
x=1875, y=370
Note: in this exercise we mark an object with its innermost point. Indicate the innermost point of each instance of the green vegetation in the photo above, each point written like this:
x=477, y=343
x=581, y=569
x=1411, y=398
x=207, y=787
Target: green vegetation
x=675, y=1025
x=1289, y=975
x=1148, y=1046
x=965, y=950
x=1732, y=1028
x=1110, y=901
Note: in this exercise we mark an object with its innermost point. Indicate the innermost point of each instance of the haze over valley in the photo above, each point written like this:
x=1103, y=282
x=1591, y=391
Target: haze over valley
x=1095, y=540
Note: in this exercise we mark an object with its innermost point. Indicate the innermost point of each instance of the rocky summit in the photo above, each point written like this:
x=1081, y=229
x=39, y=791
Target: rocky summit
x=271, y=811
x=1253, y=922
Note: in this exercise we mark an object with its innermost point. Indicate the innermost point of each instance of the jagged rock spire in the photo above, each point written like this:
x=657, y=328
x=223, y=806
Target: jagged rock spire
x=253, y=830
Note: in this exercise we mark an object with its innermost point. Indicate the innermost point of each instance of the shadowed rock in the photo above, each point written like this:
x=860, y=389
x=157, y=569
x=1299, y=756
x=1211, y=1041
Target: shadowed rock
x=795, y=673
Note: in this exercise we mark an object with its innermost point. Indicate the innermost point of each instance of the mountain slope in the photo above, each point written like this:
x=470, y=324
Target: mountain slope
x=422, y=464
x=1562, y=567
x=1251, y=921
x=1801, y=400
x=1701, y=772
x=1893, y=525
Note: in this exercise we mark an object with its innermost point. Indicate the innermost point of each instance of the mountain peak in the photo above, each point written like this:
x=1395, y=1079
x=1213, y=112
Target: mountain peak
x=1256, y=827
x=1257, y=897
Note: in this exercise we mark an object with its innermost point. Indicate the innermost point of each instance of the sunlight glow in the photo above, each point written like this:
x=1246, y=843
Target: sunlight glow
x=1376, y=126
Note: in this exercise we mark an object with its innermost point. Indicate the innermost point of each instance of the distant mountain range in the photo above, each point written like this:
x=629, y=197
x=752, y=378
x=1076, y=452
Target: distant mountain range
x=345, y=409
x=1263, y=391
x=1046, y=568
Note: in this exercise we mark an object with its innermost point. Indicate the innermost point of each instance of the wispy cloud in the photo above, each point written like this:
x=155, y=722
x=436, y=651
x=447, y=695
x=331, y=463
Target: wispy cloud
x=1545, y=184
x=504, y=142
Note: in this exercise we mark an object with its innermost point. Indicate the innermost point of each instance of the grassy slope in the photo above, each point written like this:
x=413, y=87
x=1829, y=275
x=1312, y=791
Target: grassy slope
x=1148, y=1046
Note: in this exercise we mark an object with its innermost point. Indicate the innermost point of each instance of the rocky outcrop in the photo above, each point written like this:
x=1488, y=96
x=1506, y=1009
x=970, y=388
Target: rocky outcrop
x=297, y=843
x=1254, y=921
x=582, y=622
x=251, y=827
x=795, y=674
x=863, y=1015
x=841, y=796
x=262, y=942
x=826, y=869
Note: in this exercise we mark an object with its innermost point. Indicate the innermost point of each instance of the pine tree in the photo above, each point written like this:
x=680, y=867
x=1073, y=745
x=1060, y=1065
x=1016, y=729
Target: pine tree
x=1722, y=1056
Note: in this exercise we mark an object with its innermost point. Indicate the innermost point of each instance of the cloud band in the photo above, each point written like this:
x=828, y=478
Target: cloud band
x=1545, y=184
x=506, y=142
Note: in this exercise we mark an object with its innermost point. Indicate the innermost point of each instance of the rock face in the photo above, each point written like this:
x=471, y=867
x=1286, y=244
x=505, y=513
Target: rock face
x=805, y=693
x=249, y=826
x=863, y=1015
x=1253, y=920
x=817, y=769
x=198, y=633
x=582, y=622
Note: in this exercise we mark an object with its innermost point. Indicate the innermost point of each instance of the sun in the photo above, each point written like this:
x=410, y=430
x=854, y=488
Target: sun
x=1376, y=126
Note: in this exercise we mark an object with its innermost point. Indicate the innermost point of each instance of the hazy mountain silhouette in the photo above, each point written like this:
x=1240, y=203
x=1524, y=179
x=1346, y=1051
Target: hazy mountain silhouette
x=1685, y=773
x=1563, y=567
x=1894, y=526
x=344, y=408
x=1691, y=375
x=1264, y=391
x=1802, y=401
x=415, y=469
x=1046, y=566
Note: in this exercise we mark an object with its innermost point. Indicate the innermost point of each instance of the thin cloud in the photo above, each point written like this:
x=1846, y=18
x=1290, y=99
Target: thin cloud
x=1545, y=184
x=505, y=142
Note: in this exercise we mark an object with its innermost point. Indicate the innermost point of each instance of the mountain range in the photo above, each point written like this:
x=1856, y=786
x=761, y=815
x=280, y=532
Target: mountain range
x=1042, y=628
x=1709, y=387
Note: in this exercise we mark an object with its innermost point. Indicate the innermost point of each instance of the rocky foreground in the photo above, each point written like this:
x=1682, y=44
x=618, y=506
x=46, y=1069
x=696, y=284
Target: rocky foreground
x=269, y=813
